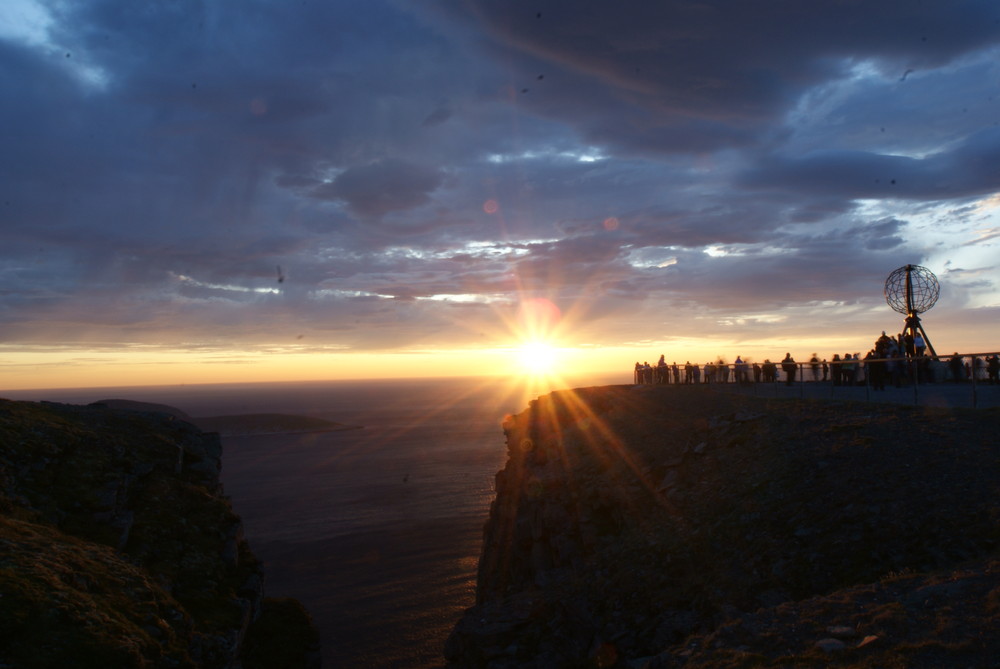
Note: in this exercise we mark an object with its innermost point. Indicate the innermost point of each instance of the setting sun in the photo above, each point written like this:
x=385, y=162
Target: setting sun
x=537, y=358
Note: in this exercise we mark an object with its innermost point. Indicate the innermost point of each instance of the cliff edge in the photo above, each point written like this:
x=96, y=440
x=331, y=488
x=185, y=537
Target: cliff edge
x=119, y=549
x=648, y=527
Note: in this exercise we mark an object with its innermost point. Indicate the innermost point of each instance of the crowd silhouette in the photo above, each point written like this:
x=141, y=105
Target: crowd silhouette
x=892, y=361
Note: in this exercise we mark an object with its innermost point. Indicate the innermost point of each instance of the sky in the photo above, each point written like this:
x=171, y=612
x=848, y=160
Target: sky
x=250, y=190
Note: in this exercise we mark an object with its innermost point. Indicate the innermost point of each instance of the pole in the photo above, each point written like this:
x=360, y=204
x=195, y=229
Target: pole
x=923, y=333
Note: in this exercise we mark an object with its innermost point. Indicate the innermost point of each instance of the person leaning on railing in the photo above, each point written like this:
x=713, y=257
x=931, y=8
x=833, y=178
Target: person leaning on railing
x=957, y=368
x=993, y=369
x=835, y=370
x=789, y=367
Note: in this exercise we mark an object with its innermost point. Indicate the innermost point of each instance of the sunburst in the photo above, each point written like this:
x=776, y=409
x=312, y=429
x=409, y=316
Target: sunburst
x=537, y=358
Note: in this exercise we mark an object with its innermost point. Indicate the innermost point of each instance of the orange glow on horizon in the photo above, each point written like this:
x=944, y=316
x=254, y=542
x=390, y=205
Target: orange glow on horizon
x=531, y=346
x=82, y=368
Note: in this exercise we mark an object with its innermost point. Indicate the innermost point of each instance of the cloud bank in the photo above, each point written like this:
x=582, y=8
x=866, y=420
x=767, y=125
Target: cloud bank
x=383, y=175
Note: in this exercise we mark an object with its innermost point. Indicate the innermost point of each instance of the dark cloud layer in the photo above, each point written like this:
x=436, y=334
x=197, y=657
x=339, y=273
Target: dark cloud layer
x=377, y=188
x=682, y=76
x=970, y=169
x=416, y=170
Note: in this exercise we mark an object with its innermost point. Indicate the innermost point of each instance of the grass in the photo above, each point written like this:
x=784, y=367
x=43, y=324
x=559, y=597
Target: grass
x=109, y=556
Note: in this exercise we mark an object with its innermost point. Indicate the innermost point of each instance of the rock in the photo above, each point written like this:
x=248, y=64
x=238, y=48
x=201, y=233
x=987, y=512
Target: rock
x=234, y=538
x=486, y=632
x=773, y=597
x=830, y=645
x=842, y=631
x=669, y=481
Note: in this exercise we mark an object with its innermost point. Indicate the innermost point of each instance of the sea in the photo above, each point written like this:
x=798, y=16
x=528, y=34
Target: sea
x=376, y=530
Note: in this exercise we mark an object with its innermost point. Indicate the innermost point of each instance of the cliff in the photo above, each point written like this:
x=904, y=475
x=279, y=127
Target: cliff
x=118, y=548
x=681, y=527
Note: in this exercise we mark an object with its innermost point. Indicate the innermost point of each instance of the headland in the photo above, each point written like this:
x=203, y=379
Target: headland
x=118, y=548
x=679, y=526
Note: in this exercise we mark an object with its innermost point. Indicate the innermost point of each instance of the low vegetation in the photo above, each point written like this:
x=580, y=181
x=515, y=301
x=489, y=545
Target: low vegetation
x=117, y=546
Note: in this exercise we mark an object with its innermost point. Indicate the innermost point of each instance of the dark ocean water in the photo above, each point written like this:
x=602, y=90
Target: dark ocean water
x=376, y=530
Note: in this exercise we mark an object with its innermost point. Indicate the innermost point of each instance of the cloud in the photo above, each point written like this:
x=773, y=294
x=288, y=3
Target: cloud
x=685, y=76
x=437, y=117
x=967, y=170
x=378, y=188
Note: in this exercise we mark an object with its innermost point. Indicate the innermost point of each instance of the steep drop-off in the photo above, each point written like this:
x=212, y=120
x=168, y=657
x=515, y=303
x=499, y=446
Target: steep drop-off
x=677, y=526
x=119, y=549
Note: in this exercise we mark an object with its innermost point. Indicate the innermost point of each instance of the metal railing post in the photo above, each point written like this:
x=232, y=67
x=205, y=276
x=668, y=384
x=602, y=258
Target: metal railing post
x=974, y=397
x=868, y=382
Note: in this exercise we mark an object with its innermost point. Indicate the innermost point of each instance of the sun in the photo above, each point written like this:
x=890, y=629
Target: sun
x=537, y=358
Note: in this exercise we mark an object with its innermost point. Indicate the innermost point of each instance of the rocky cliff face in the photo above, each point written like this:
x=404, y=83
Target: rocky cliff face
x=656, y=527
x=117, y=545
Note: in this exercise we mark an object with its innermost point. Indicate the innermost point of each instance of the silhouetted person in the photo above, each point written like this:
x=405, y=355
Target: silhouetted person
x=661, y=371
x=847, y=370
x=876, y=370
x=741, y=371
x=788, y=366
x=882, y=345
x=978, y=368
x=957, y=368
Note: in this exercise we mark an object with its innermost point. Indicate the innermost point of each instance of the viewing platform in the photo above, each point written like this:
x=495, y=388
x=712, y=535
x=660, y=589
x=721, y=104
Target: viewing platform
x=916, y=381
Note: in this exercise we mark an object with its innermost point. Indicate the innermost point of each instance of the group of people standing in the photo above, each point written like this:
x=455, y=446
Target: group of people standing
x=892, y=360
x=715, y=372
x=903, y=359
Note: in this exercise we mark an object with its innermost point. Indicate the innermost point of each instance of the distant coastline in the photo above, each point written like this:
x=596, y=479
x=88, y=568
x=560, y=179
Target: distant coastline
x=240, y=425
x=267, y=424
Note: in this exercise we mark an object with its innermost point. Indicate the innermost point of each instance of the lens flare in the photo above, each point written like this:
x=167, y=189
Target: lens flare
x=538, y=319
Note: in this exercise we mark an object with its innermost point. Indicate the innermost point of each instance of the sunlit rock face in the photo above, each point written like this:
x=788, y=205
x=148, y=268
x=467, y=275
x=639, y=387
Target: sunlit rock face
x=119, y=547
x=642, y=524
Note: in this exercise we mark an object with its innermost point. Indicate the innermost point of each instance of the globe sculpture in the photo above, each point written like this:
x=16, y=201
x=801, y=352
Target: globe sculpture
x=911, y=290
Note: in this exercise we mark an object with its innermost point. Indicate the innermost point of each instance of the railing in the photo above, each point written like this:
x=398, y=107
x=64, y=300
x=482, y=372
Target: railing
x=900, y=372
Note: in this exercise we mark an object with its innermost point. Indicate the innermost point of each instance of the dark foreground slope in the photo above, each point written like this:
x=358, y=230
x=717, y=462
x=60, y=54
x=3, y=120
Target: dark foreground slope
x=678, y=527
x=118, y=548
